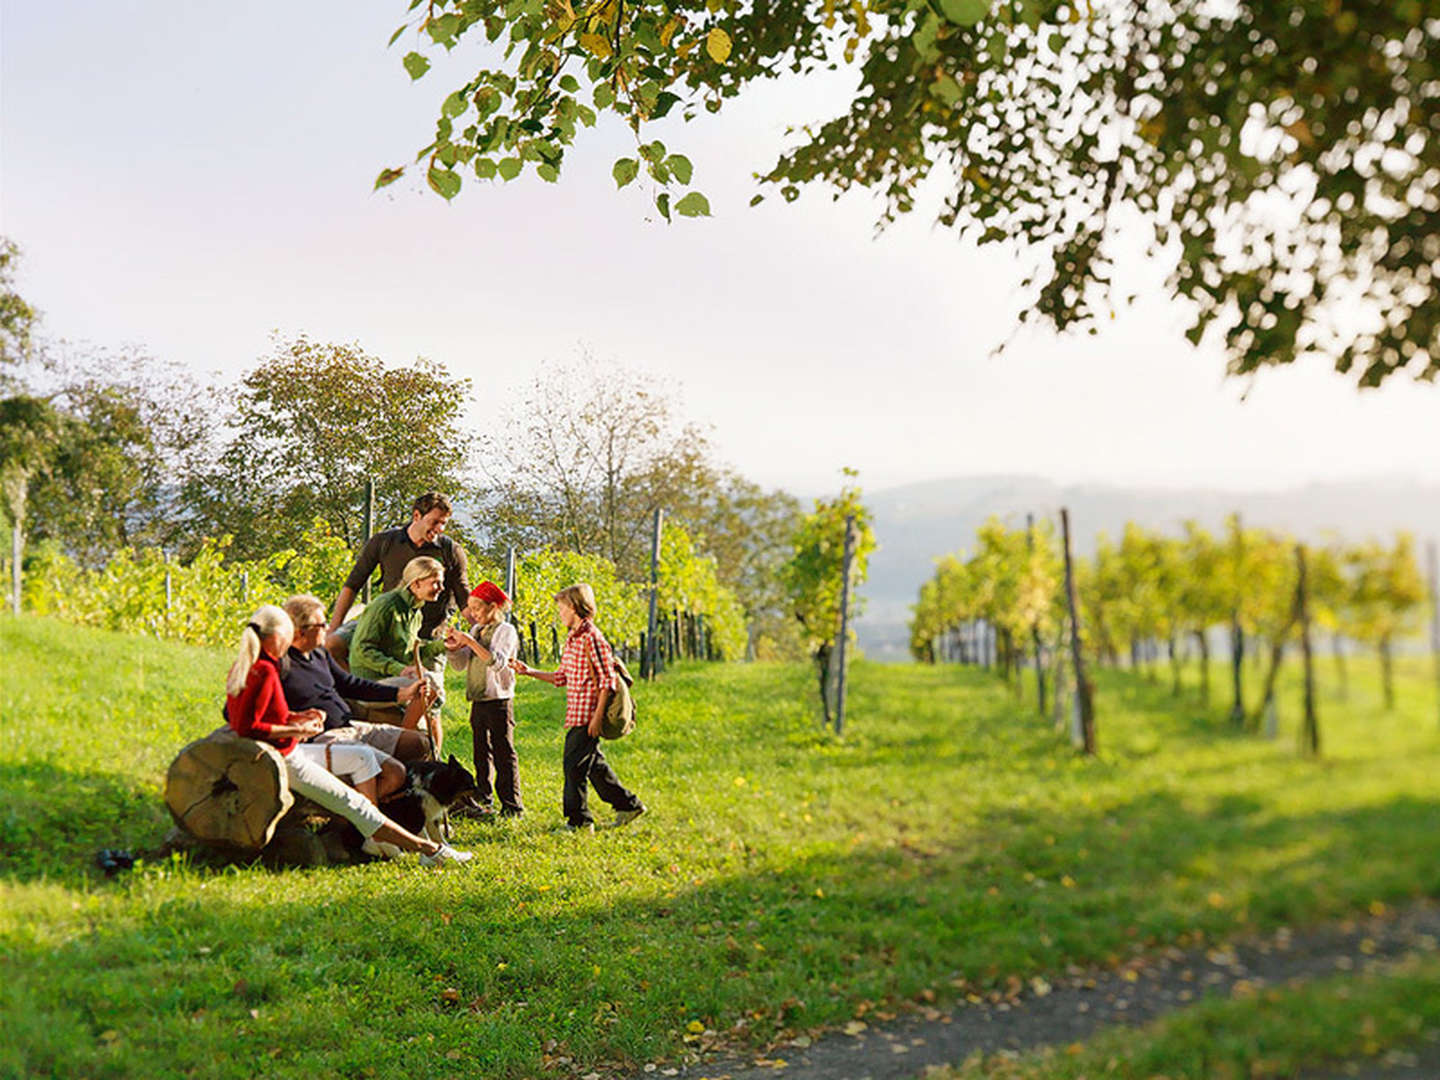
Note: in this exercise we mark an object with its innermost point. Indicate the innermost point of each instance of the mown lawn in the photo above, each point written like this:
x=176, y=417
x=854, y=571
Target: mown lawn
x=781, y=878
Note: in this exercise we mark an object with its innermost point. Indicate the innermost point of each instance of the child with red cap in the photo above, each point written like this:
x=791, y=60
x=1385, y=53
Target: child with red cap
x=484, y=655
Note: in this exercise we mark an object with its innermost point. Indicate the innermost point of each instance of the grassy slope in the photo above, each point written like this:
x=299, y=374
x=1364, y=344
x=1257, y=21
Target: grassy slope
x=781, y=878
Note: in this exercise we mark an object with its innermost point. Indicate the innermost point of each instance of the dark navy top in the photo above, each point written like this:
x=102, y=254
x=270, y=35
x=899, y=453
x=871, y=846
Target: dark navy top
x=318, y=682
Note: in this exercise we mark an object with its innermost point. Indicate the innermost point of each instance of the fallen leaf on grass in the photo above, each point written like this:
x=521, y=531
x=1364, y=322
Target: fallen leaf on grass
x=855, y=1027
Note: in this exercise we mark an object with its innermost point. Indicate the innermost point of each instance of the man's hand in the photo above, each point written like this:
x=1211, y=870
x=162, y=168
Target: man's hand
x=409, y=672
x=405, y=693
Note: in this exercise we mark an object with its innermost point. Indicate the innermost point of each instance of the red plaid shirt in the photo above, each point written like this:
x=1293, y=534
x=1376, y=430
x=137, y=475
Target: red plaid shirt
x=586, y=655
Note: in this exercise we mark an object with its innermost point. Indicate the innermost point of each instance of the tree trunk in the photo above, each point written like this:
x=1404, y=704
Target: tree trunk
x=1310, y=729
x=822, y=663
x=227, y=790
x=1039, y=668
x=1203, y=641
x=1237, y=670
x=1387, y=673
x=1174, y=667
x=1277, y=652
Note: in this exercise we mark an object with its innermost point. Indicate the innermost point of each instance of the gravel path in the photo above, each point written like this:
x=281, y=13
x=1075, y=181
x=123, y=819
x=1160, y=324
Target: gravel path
x=1072, y=1007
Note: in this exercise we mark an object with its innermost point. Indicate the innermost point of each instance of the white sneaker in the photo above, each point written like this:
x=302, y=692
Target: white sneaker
x=446, y=854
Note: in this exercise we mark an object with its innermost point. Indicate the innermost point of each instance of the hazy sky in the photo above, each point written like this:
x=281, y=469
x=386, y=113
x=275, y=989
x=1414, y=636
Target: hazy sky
x=189, y=177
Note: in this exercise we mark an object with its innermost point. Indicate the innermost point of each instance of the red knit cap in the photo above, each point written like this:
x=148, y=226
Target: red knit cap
x=490, y=593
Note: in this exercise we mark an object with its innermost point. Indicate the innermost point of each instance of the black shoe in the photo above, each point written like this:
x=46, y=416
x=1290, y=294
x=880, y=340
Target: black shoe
x=625, y=817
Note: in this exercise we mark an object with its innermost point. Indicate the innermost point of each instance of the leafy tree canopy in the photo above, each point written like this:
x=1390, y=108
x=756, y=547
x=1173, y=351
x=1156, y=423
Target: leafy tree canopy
x=1283, y=153
x=312, y=423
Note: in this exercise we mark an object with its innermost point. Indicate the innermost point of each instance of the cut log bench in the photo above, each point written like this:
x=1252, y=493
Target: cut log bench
x=230, y=796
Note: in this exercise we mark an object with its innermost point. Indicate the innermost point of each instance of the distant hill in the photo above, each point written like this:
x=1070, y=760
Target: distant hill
x=918, y=522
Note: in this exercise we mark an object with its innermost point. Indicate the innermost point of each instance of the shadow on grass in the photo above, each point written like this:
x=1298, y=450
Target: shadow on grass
x=53, y=817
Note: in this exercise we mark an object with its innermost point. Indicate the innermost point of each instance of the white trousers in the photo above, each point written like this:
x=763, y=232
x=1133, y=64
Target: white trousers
x=308, y=777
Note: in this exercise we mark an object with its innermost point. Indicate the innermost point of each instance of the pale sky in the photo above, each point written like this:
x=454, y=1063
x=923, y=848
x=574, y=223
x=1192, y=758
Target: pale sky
x=186, y=178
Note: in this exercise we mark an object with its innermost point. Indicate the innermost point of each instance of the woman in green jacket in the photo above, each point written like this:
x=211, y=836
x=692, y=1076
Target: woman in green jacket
x=383, y=647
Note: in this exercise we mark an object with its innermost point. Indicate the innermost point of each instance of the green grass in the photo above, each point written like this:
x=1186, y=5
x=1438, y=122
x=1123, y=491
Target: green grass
x=781, y=878
x=1276, y=1034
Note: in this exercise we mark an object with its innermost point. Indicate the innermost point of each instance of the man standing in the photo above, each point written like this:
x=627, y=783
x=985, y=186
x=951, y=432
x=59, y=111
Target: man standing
x=392, y=551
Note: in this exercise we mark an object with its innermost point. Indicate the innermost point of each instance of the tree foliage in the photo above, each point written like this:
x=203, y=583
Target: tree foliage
x=584, y=457
x=813, y=575
x=1282, y=154
x=17, y=317
x=311, y=424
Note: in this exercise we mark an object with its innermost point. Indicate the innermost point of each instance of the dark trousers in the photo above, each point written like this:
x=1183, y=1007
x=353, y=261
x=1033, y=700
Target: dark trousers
x=492, y=726
x=584, y=761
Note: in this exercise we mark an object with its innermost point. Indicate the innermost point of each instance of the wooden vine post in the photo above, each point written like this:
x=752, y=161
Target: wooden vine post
x=1082, y=683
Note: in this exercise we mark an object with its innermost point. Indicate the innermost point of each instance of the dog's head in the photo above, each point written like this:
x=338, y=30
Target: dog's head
x=450, y=782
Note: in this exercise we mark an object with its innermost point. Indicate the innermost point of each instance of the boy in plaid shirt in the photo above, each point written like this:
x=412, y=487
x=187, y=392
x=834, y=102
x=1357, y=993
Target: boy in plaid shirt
x=587, y=671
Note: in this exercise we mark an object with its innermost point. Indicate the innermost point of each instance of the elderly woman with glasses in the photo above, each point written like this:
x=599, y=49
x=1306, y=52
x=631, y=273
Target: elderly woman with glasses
x=255, y=708
x=312, y=679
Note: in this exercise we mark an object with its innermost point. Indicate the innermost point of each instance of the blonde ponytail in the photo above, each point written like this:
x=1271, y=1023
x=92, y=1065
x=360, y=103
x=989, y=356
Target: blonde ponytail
x=264, y=623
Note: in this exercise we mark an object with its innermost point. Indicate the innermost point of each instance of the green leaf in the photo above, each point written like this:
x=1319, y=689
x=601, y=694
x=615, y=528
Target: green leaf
x=510, y=167
x=415, y=64
x=485, y=168
x=693, y=205
x=569, y=83
x=756, y=200
x=625, y=170
x=455, y=104
x=443, y=182
x=680, y=165
x=946, y=89
x=396, y=35
x=965, y=12
x=604, y=96
x=662, y=203
x=547, y=172
x=653, y=151
x=387, y=177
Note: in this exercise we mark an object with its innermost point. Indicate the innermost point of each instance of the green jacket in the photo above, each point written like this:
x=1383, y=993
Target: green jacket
x=385, y=636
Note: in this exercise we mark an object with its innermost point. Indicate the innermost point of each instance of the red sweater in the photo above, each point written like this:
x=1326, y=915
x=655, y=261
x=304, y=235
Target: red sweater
x=260, y=705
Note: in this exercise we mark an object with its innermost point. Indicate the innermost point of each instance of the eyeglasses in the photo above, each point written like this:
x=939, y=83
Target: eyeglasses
x=308, y=627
